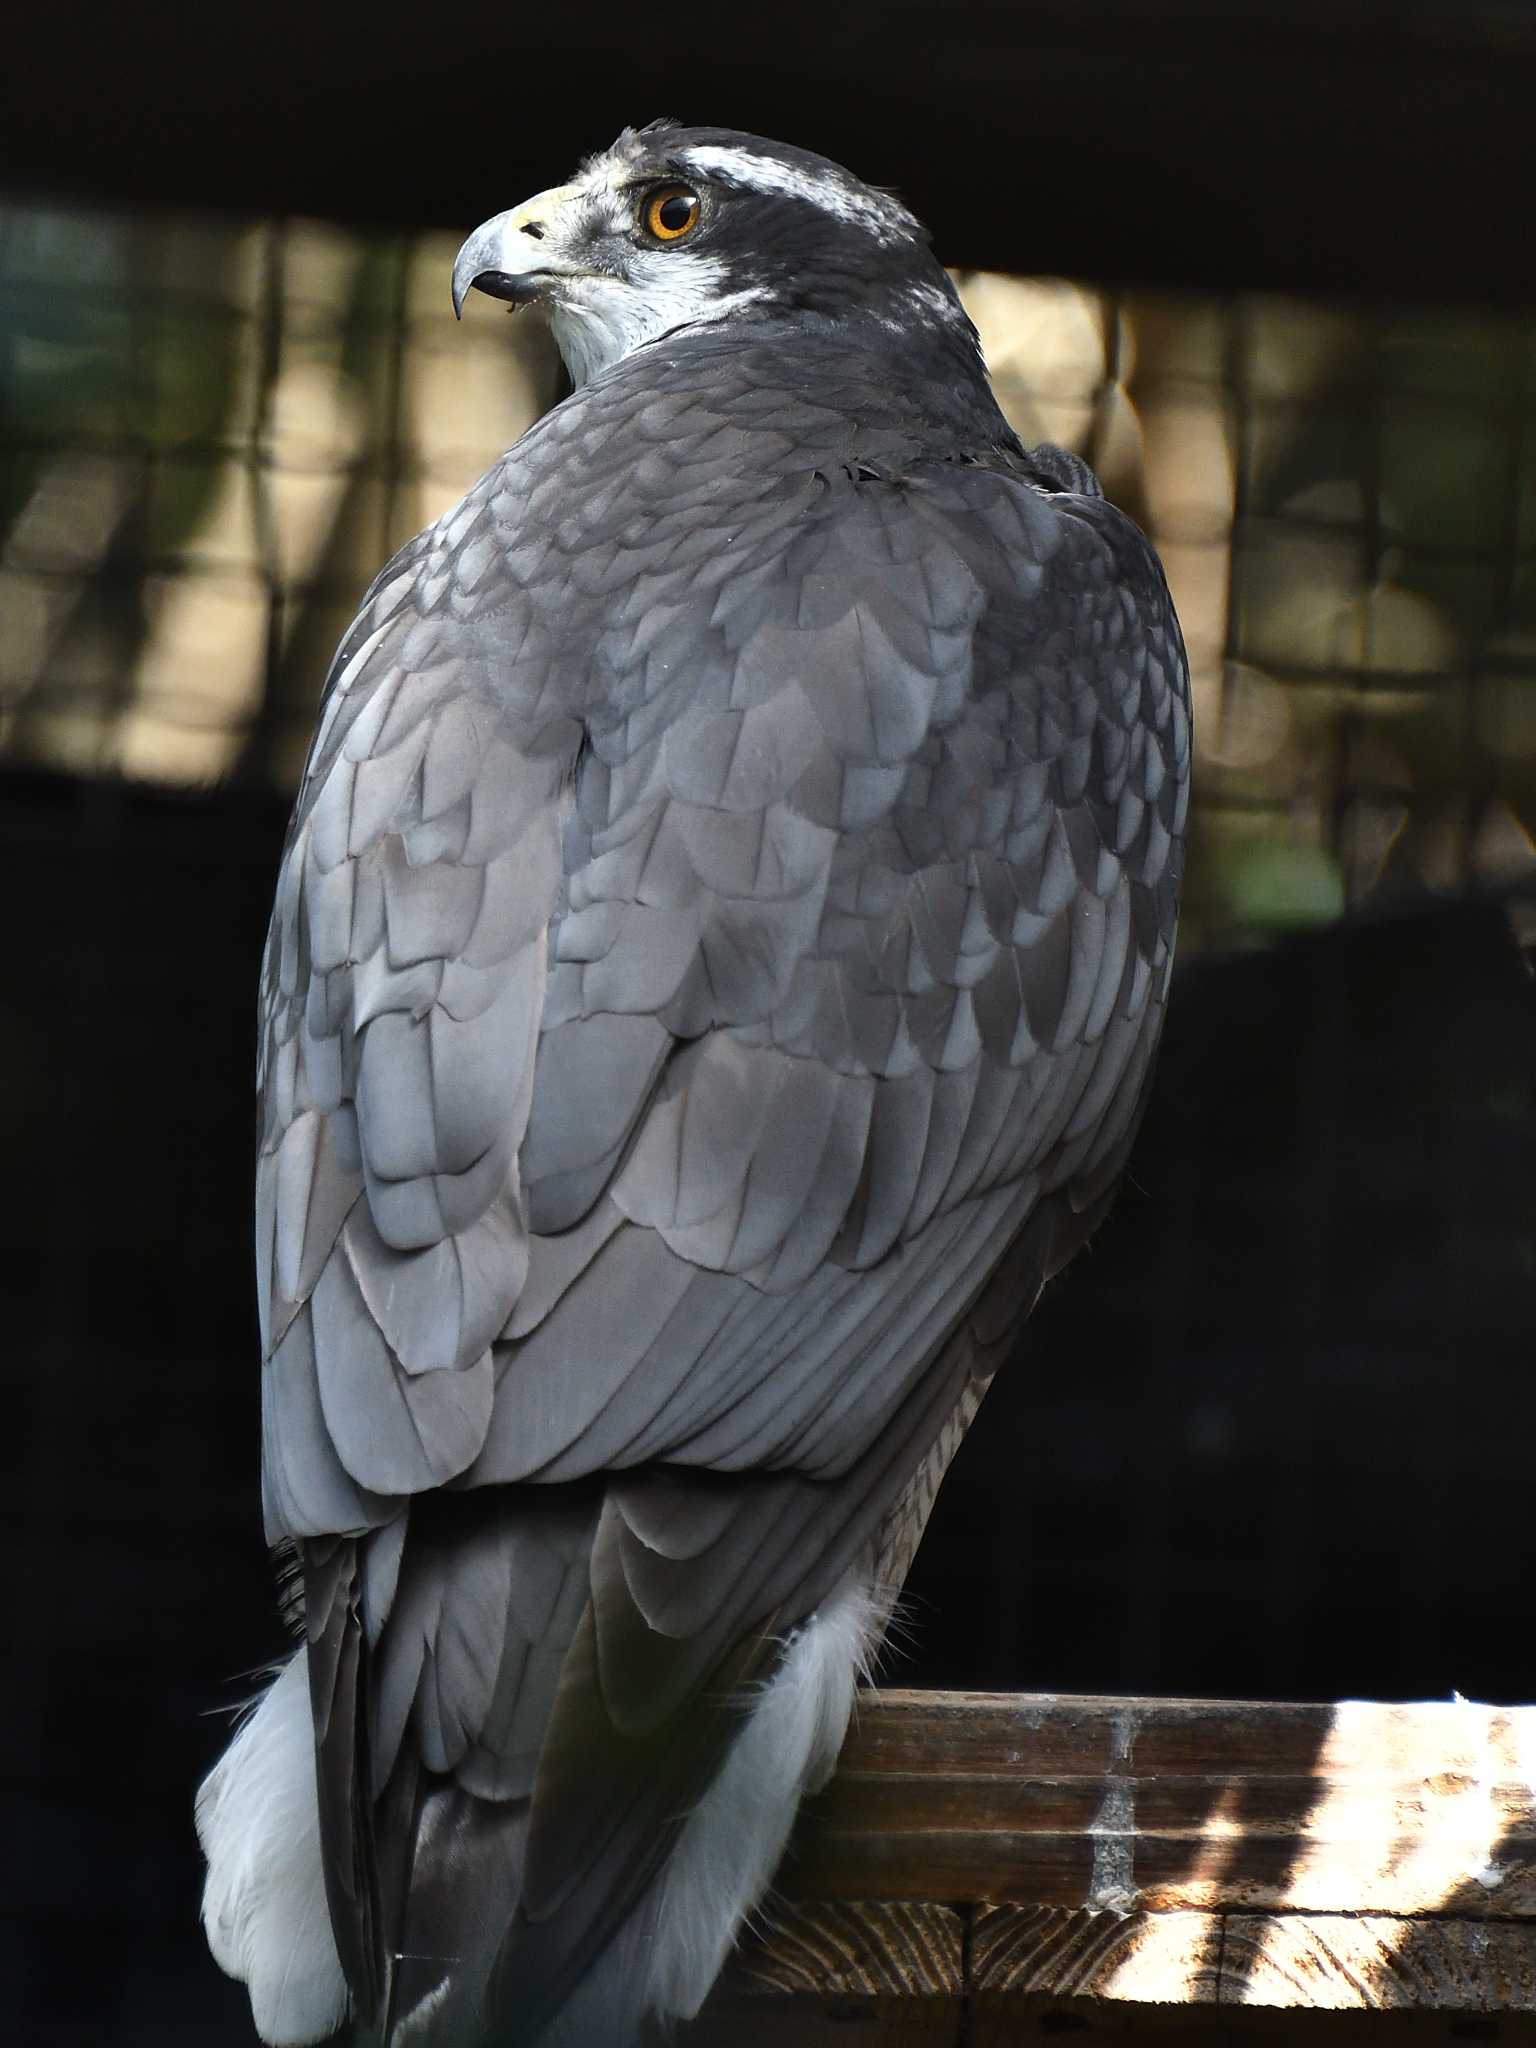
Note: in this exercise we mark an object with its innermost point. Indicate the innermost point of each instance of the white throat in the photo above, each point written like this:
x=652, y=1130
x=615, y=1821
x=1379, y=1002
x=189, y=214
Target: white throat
x=597, y=321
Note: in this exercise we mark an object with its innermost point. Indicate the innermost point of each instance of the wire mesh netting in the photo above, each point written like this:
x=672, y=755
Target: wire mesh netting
x=214, y=433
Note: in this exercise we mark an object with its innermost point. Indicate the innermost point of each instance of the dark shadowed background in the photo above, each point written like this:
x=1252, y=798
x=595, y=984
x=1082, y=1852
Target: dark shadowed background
x=1271, y=1435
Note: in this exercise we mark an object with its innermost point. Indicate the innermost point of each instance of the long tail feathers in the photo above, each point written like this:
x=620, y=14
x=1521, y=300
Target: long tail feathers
x=264, y=1904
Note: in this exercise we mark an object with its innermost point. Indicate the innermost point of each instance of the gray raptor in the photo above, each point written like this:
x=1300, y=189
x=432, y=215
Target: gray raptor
x=716, y=968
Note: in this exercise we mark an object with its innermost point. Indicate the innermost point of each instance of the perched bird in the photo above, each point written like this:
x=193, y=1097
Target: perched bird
x=715, y=972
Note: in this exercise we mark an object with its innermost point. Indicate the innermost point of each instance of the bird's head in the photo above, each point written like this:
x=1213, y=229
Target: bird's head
x=679, y=227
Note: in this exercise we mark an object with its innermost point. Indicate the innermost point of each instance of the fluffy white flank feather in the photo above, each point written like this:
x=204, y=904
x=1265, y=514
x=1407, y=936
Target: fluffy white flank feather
x=264, y=1901
x=731, y=1843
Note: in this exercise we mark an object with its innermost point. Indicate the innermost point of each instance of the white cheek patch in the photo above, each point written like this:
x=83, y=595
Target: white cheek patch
x=886, y=219
x=599, y=320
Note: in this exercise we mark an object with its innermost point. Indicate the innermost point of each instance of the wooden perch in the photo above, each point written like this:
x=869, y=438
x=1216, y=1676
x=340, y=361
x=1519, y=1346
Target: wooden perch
x=979, y=1857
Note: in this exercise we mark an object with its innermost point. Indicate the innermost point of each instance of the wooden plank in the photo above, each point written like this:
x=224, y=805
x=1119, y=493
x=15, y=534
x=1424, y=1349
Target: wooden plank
x=1059, y=1952
x=862, y=1950
x=1337, y=1962
x=1371, y=1961
x=1178, y=1805
x=1148, y=1855
x=907, y=1973
x=844, y=1973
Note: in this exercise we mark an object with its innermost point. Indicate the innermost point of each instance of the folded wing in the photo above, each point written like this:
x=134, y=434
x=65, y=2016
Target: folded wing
x=655, y=1088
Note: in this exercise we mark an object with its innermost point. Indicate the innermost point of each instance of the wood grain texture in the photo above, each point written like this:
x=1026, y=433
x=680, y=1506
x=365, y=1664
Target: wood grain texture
x=1320, y=1961
x=1059, y=1952
x=1178, y=1805
x=908, y=1974
x=862, y=1950
x=1343, y=1962
x=844, y=1974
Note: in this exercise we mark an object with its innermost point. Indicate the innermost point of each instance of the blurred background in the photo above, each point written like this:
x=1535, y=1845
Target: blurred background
x=1271, y=1436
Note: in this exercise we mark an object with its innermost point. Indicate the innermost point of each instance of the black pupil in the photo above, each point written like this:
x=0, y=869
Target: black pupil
x=675, y=213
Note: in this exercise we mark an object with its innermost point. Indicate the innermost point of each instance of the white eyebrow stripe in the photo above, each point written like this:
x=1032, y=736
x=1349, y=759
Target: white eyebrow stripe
x=884, y=218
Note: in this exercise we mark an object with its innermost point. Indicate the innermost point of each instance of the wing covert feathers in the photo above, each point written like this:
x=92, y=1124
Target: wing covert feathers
x=716, y=968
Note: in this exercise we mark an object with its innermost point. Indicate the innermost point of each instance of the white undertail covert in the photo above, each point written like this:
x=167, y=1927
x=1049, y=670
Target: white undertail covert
x=264, y=1907
x=731, y=1846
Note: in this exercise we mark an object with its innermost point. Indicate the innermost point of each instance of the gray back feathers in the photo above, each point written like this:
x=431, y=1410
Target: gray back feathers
x=716, y=968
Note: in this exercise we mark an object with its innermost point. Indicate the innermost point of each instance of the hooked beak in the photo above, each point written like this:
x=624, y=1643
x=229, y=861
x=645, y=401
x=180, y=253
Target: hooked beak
x=512, y=257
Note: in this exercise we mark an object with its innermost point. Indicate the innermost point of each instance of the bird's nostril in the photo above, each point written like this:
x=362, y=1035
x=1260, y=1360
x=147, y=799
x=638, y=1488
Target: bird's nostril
x=532, y=227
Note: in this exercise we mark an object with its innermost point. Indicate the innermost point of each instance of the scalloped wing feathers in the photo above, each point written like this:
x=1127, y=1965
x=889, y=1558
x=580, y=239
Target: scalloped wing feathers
x=730, y=903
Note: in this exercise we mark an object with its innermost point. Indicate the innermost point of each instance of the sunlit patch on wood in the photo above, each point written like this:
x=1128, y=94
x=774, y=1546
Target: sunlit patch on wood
x=1278, y=1857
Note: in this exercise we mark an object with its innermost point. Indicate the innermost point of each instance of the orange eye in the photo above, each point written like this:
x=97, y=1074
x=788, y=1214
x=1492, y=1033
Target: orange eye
x=670, y=212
